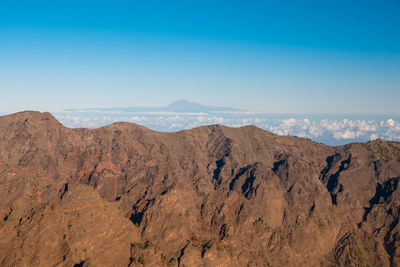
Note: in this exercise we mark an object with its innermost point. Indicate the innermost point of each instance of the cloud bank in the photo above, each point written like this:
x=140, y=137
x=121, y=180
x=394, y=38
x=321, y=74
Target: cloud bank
x=329, y=131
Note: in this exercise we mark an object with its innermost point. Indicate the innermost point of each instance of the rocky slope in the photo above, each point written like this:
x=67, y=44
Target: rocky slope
x=123, y=195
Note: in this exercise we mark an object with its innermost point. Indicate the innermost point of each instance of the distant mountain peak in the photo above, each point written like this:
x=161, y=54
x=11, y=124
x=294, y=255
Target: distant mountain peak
x=183, y=105
x=182, y=101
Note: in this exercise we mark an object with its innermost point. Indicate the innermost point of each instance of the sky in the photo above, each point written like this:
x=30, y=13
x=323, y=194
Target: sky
x=297, y=57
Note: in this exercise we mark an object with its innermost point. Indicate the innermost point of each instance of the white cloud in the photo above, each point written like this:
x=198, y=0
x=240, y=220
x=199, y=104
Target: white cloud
x=325, y=129
x=289, y=122
x=373, y=137
x=315, y=131
x=390, y=123
x=347, y=134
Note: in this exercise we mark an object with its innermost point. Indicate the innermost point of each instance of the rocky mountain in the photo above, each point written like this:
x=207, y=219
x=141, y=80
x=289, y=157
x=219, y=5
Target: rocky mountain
x=123, y=195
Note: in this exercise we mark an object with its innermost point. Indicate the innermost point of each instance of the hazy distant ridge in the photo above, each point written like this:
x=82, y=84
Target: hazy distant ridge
x=179, y=106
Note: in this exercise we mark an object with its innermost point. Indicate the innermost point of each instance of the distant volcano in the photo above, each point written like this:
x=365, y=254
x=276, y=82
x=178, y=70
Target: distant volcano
x=179, y=106
x=187, y=106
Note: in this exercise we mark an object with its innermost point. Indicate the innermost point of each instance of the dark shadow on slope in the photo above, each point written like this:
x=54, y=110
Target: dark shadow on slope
x=217, y=180
x=79, y=264
x=382, y=193
x=64, y=191
x=332, y=182
x=247, y=188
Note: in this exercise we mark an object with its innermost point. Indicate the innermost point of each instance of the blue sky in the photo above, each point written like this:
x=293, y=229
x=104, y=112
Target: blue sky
x=265, y=56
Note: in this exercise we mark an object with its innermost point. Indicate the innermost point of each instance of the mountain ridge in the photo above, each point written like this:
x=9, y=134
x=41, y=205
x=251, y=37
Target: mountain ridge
x=125, y=195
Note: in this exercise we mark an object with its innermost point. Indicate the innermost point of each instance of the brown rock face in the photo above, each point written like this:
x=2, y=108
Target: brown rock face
x=123, y=195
